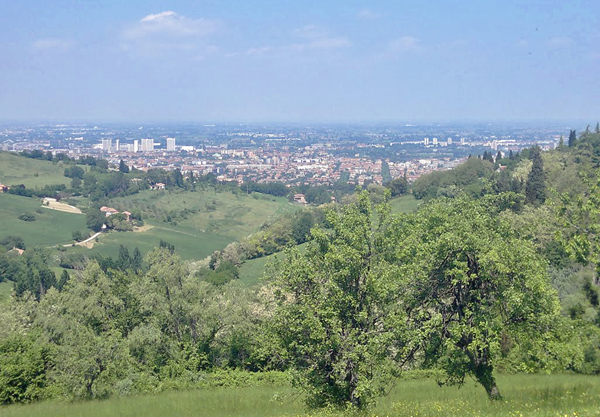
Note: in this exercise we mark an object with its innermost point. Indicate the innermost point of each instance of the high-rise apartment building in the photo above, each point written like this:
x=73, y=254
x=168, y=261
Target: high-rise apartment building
x=147, y=145
x=170, y=144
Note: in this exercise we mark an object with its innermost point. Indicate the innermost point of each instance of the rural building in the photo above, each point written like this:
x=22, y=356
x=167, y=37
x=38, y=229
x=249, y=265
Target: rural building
x=299, y=198
x=158, y=186
x=108, y=211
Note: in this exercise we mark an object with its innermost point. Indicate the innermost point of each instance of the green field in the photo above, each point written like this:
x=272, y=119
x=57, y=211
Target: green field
x=253, y=270
x=5, y=291
x=212, y=222
x=224, y=213
x=524, y=395
x=189, y=243
x=15, y=169
x=50, y=227
x=404, y=204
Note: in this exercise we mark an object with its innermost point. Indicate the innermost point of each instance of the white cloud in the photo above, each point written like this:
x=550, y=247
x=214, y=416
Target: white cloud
x=171, y=24
x=56, y=44
x=560, y=42
x=318, y=38
x=258, y=51
x=368, y=14
x=405, y=44
x=310, y=32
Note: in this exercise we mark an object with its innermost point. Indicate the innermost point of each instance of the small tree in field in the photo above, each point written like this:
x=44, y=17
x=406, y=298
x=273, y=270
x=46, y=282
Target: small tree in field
x=338, y=319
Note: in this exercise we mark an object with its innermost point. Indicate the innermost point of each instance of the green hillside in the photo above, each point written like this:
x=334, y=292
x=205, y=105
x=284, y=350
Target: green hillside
x=50, y=227
x=5, y=291
x=404, y=204
x=224, y=213
x=189, y=243
x=15, y=169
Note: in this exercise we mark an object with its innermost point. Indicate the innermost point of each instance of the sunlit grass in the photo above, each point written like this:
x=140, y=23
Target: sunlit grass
x=524, y=395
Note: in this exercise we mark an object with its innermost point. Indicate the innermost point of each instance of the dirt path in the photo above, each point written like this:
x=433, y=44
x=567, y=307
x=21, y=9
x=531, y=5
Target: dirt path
x=52, y=204
x=88, y=242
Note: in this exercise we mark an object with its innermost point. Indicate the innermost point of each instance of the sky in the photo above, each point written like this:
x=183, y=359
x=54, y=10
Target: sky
x=299, y=61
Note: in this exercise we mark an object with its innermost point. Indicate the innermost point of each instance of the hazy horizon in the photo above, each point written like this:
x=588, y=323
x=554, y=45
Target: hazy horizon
x=257, y=61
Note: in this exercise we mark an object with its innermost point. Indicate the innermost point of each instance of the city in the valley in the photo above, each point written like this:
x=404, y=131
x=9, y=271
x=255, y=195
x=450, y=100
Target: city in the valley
x=291, y=154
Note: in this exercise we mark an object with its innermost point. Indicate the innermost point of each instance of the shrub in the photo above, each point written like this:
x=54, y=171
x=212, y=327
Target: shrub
x=27, y=217
x=23, y=367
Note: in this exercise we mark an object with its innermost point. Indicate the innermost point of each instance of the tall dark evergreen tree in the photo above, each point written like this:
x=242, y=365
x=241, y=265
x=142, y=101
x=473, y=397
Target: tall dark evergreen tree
x=123, y=167
x=572, y=138
x=597, y=127
x=535, y=188
x=136, y=260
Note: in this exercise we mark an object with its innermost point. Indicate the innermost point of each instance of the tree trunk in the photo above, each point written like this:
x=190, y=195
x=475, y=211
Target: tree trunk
x=483, y=374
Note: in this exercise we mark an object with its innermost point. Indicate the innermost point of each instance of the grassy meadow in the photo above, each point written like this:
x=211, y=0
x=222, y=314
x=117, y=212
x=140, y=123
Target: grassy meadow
x=15, y=169
x=51, y=227
x=200, y=222
x=404, y=204
x=5, y=291
x=224, y=213
x=524, y=395
x=189, y=243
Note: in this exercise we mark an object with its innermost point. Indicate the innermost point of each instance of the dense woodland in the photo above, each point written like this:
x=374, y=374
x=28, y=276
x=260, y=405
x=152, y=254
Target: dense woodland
x=497, y=271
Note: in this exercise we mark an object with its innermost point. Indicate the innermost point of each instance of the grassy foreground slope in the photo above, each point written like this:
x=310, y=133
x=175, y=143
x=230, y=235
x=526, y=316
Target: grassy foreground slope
x=525, y=395
x=50, y=227
x=15, y=169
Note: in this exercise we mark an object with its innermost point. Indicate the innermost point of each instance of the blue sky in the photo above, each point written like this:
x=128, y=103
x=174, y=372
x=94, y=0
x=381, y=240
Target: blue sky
x=304, y=61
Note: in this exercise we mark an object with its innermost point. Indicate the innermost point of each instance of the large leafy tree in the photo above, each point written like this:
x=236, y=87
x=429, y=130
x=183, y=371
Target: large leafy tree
x=474, y=282
x=338, y=318
x=580, y=216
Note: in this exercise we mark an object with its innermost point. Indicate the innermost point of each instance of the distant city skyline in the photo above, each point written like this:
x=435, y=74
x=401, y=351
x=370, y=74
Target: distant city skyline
x=306, y=61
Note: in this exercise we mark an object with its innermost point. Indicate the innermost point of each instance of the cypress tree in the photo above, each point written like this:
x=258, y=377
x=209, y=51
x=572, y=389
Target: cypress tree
x=597, y=127
x=572, y=138
x=123, y=167
x=535, y=188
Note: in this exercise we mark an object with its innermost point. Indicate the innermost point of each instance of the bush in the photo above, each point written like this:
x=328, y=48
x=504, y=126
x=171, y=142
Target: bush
x=27, y=217
x=23, y=367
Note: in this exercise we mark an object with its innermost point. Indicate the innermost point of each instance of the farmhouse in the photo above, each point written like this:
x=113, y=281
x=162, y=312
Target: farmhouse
x=299, y=198
x=158, y=186
x=108, y=211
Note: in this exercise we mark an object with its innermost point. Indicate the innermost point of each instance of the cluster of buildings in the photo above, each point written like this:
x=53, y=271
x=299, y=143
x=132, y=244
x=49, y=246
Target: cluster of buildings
x=109, y=211
x=138, y=145
x=314, y=164
x=315, y=156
